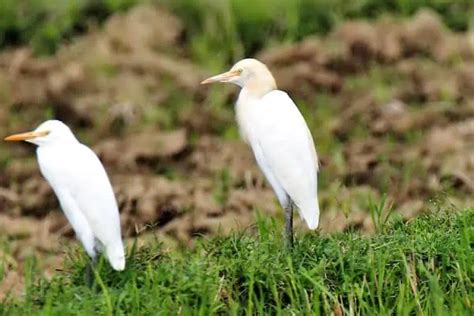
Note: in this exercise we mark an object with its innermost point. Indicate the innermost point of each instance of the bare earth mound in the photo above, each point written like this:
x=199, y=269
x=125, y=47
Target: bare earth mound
x=390, y=104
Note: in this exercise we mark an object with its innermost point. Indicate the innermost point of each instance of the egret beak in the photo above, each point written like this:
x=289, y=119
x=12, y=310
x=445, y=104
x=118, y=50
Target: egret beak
x=224, y=77
x=25, y=136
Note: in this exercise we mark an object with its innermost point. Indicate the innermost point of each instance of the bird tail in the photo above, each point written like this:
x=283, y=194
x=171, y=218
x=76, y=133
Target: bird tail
x=310, y=212
x=116, y=256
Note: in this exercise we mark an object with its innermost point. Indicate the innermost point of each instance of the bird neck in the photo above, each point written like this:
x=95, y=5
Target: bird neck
x=258, y=87
x=63, y=141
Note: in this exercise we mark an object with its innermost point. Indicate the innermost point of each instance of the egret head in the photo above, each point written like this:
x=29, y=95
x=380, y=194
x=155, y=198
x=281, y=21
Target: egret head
x=49, y=132
x=248, y=73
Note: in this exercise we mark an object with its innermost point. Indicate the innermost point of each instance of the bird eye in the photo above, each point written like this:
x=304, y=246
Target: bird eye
x=240, y=70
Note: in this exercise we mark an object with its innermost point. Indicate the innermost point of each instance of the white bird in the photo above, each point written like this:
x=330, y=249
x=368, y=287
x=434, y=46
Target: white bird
x=272, y=125
x=82, y=187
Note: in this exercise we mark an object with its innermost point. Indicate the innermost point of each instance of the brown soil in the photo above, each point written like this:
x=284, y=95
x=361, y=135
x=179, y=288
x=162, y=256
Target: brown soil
x=105, y=85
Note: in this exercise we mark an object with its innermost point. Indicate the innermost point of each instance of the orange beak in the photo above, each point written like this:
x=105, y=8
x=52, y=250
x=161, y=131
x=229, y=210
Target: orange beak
x=224, y=77
x=25, y=136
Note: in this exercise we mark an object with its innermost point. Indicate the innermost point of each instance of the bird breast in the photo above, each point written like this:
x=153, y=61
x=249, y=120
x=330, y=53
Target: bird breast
x=247, y=108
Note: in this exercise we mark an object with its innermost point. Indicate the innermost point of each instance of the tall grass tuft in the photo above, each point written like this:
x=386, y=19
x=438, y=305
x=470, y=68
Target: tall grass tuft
x=423, y=267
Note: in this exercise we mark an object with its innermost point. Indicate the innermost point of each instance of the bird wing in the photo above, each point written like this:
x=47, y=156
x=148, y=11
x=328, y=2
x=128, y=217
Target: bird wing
x=75, y=171
x=269, y=174
x=78, y=221
x=288, y=150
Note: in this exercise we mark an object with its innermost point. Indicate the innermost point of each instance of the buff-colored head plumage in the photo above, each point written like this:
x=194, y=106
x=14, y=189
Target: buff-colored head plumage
x=249, y=74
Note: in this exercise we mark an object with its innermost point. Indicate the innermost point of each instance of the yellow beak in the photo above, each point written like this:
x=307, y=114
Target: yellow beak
x=224, y=77
x=25, y=136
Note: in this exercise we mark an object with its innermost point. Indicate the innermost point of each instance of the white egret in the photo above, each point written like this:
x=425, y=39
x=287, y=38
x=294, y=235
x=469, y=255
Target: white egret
x=82, y=187
x=282, y=144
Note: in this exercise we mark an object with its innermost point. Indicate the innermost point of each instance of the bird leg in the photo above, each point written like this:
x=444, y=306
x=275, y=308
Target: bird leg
x=89, y=274
x=289, y=225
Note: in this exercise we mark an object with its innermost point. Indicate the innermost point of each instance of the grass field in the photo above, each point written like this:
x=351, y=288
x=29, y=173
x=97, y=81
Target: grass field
x=233, y=26
x=396, y=125
x=423, y=267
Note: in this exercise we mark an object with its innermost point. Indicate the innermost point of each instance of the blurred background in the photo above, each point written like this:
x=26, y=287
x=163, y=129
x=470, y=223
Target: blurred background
x=387, y=88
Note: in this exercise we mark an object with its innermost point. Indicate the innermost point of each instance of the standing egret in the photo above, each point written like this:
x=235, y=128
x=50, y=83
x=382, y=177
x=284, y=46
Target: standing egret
x=83, y=189
x=280, y=139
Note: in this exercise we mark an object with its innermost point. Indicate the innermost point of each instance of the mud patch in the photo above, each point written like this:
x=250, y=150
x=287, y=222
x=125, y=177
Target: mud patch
x=390, y=104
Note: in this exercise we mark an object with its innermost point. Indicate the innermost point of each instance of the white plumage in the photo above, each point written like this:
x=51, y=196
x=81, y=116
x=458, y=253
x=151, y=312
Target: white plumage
x=83, y=189
x=284, y=150
x=280, y=139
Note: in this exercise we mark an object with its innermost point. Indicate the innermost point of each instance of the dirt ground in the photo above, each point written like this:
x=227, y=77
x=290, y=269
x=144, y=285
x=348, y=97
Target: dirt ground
x=408, y=131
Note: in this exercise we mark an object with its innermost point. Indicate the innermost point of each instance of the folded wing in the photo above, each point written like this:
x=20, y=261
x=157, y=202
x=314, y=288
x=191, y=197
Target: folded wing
x=288, y=150
x=77, y=173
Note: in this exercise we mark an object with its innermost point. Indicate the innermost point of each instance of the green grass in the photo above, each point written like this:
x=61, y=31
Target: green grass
x=244, y=25
x=423, y=267
x=45, y=24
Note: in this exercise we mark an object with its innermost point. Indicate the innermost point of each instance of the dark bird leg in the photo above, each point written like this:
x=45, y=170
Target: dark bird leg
x=289, y=224
x=89, y=274
x=91, y=264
